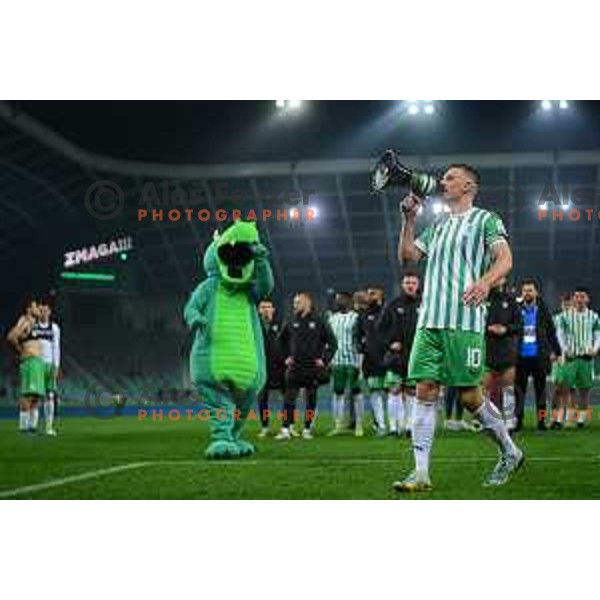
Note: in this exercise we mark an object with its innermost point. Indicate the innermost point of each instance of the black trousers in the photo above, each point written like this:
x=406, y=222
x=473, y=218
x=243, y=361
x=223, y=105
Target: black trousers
x=526, y=368
x=263, y=404
x=297, y=378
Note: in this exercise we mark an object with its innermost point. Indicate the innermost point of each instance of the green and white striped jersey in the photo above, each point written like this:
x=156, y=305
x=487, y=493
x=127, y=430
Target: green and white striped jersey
x=578, y=331
x=344, y=327
x=457, y=250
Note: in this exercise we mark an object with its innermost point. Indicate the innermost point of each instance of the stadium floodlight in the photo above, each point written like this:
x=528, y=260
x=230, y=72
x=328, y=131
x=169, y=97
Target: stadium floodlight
x=288, y=105
x=414, y=108
x=417, y=107
x=296, y=213
x=548, y=105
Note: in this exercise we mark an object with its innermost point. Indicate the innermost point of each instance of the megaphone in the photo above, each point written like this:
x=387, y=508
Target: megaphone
x=390, y=172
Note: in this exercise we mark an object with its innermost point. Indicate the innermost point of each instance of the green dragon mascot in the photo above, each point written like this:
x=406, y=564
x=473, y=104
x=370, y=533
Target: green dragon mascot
x=227, y=359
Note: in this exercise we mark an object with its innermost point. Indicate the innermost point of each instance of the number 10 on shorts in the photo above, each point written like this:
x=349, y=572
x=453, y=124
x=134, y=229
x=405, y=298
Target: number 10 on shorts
x=473, y=358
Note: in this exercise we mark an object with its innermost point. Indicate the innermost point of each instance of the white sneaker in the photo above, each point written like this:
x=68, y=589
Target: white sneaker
x=294, y=433
x=307, y=434
x=463, y=426
x=264, y=432
x=284, y=434
x=358, y=432
x=413, y=483
x=51, y=432
x=507, y=465
x=451, y=425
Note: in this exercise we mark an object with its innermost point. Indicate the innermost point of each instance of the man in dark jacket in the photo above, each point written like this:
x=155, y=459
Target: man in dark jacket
x=538, y=349
x=308, y=344
x=274, y=359
x=397, y=328
x=370, y=347
x=503, y=332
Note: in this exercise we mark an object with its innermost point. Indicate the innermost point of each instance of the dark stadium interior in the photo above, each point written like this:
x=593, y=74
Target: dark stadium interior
x=242, y=155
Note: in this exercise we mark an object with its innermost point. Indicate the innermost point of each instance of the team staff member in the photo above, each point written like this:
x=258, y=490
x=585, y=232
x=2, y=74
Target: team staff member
x=370, y=347
x=308, y=344
x=503, y=331
x=274, y=358
x=397, y=328
x=538, y=349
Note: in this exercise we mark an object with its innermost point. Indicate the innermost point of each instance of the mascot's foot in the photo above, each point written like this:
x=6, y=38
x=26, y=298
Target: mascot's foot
x=222, y=449
x=245, y=448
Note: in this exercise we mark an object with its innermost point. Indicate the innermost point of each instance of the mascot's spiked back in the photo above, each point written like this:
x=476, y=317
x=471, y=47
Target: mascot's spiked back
x=227, y=360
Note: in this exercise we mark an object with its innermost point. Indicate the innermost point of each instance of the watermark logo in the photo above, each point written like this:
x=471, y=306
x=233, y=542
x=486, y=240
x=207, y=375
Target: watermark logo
x=170, y=201
x=103, y=403
x=568, y=205
x=175, y=405
x=204, y=414
x=104, y=200
x=220, y=215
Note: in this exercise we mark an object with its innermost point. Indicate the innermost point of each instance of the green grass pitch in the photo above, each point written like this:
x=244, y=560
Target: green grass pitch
x=125, y=458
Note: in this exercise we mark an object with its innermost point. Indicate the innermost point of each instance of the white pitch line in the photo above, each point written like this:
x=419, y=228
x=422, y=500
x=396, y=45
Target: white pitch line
x=72, y=479
x=37, y=487
x=316, y=462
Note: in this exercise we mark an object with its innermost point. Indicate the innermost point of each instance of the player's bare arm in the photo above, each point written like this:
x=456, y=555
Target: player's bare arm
x=407, y=251
x=19, y=330
x=479, y=290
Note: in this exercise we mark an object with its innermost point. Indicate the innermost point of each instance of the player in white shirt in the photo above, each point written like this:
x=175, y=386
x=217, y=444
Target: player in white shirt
x=346, y=363
x=48, y=333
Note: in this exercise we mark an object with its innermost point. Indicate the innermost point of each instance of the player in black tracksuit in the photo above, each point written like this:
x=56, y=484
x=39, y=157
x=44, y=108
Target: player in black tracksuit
x=503, y=331
x=369, y=345
x=274, y=358
x=308, y=344
x=397, y=327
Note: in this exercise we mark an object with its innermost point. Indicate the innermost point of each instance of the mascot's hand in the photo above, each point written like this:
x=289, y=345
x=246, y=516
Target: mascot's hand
x=260, y=251
x=198, y=323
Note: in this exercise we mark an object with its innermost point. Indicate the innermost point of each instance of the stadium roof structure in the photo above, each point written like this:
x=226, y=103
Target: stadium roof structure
x=44, y=179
